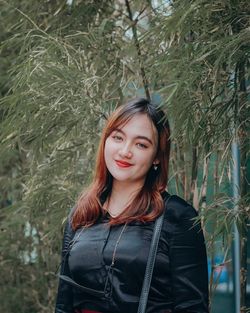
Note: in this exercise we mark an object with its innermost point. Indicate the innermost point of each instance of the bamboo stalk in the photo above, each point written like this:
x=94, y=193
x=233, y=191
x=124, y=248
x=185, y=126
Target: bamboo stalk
x=203, y=192
x=194, y=174
x=138, y=48
x=213, y=266
x=175, y=170
x=242, y=98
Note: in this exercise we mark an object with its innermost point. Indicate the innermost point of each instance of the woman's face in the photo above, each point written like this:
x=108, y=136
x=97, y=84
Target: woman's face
x=131, y=150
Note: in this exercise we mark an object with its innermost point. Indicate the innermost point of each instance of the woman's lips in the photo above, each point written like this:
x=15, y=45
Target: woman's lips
x=122, y=163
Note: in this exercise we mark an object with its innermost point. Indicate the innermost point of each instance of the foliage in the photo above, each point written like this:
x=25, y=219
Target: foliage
x=64, y=69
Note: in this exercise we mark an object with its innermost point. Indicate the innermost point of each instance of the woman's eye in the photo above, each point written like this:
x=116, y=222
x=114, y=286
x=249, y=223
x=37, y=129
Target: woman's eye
x=141, y=145
x=117, y=138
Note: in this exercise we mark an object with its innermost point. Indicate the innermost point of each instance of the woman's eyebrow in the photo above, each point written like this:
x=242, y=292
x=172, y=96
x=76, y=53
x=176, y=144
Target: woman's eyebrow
x=145, y=138
x=136, y=137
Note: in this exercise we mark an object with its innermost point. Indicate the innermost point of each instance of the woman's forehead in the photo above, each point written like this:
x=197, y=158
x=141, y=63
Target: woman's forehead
x=138, y=125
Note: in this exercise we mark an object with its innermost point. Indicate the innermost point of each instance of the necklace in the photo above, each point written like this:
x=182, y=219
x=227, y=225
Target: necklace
x=111, y=214
x=116, y=245
x=111, y=266
x=106, y=207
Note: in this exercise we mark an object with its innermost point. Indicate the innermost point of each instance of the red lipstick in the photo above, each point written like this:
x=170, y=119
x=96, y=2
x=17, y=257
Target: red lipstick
x=123, y=163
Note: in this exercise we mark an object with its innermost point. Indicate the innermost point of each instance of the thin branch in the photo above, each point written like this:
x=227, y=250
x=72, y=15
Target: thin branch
x=138, y=48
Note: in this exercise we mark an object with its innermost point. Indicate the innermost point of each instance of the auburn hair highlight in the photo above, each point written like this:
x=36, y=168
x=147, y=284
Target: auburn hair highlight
x=148, y=203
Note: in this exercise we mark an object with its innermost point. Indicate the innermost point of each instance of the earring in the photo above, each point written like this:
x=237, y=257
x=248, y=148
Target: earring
x=155, y=167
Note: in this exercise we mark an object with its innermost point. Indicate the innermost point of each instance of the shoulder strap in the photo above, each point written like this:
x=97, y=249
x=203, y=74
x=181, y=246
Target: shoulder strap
x=151, y=261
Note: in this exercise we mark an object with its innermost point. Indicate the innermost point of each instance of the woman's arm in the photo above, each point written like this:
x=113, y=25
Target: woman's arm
x=188, y=261
x=64, y=300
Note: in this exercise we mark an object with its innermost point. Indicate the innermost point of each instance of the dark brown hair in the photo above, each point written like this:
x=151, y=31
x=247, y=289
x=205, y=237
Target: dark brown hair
x=148, y=203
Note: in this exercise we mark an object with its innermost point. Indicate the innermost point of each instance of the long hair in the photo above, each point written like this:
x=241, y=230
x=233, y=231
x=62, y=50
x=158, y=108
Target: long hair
x=148, y=203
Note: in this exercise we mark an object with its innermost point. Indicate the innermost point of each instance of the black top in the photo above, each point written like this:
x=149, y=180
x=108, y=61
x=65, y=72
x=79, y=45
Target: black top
x=180, y=278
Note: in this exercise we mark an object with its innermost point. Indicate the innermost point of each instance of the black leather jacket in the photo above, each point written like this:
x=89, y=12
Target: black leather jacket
x=180, y=278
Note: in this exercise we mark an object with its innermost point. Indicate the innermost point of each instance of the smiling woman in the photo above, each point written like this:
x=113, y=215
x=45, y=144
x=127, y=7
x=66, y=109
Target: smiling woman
x=129, y=153
x=107, y=237
x=128, y=148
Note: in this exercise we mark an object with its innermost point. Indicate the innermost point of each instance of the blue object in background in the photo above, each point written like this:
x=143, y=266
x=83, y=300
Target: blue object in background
x=220, y=272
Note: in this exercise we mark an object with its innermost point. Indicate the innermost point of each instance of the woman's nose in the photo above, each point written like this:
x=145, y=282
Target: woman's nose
x=125, y=152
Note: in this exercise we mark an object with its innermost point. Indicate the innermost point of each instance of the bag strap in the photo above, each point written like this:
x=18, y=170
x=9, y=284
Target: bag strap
x=151, y=261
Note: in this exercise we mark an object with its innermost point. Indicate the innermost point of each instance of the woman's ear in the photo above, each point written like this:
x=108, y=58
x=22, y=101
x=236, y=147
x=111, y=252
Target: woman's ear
x=156, y=162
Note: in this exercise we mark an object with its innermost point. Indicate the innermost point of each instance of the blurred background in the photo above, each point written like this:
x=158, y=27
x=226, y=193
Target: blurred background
x=64, y=66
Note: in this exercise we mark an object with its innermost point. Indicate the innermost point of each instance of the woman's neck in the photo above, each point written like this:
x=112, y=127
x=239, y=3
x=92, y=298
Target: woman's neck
x=121, y=196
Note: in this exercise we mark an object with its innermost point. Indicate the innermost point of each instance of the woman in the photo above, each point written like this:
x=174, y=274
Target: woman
x=107, y=236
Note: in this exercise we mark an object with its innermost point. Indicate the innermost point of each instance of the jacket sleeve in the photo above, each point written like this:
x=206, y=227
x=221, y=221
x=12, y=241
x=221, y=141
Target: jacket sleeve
x=64, y=300
x=188, y=261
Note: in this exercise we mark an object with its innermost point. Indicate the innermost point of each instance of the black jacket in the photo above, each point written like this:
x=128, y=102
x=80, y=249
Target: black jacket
x=180, y=278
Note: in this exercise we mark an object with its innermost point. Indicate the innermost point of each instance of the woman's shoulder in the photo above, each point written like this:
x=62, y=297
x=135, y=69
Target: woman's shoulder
x=178, y=209
x=67, y=221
